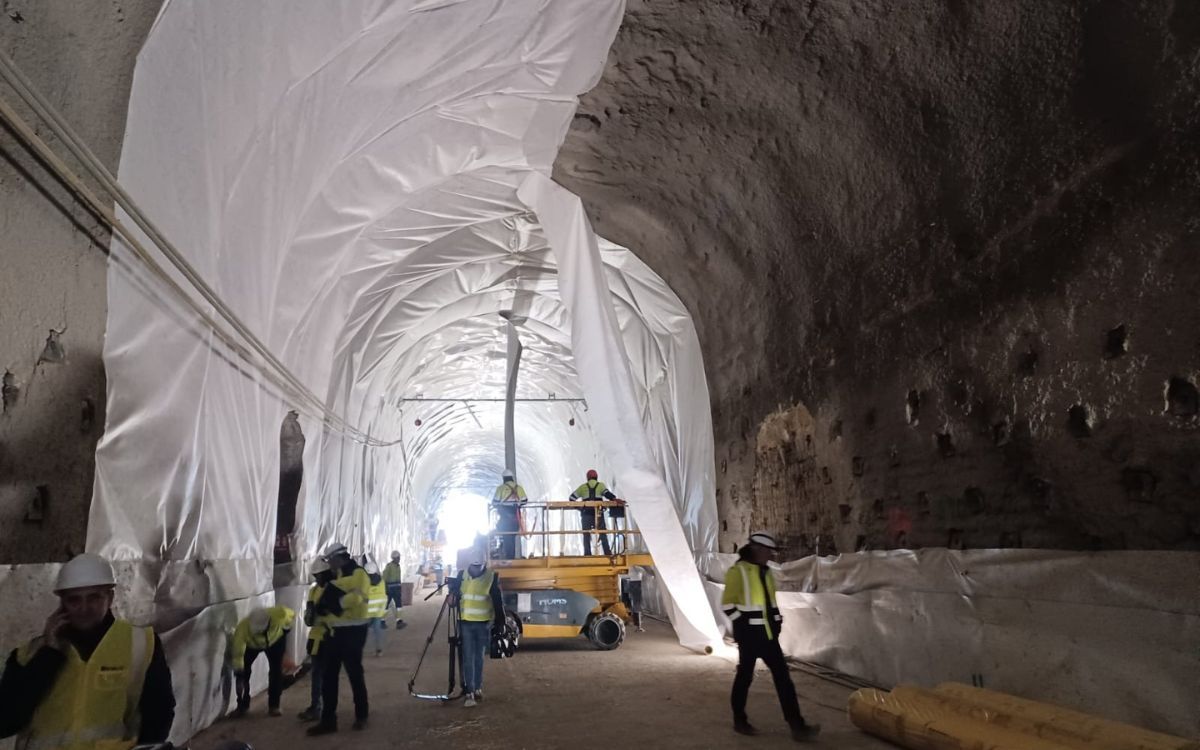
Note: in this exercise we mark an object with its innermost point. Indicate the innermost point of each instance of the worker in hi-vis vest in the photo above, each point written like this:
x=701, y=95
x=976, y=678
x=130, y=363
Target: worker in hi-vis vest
x=316, y=634
x=90, y=680
x=376, y=603
x=343, y=604
x=393, y=579
x=263, y=631
x=593, y=518
x=507, y=500
x=749, y=602
x=480, y=612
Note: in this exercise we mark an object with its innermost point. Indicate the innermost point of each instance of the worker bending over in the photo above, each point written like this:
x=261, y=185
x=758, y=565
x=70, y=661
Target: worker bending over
x=376, y=604
x=481, y=613
x=507, y=500
x=343, y=604
x=316, y=634
x=593, y=518
x=89, y=680
x=749, y=601
x=264, y=630
x=393, y=578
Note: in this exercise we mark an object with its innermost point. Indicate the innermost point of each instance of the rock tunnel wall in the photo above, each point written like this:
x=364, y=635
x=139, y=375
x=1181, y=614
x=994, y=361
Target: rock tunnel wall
x=942, y=257
x=53, y=293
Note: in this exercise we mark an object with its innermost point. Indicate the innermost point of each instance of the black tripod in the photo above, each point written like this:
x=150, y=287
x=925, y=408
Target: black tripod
x=455, y=641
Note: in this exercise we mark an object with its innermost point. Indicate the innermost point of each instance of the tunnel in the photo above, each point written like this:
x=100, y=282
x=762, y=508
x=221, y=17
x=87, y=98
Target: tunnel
x=909, y=287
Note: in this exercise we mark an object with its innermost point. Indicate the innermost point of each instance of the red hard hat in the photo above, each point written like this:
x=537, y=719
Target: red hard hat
x=592, y=474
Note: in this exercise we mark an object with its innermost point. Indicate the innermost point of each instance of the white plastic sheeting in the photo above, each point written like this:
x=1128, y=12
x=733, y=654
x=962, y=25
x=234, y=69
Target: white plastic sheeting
x=1109, y=633
x=366, y=185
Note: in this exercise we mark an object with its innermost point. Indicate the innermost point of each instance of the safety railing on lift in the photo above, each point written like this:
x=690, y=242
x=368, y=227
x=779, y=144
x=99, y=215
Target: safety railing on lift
x=534, y=524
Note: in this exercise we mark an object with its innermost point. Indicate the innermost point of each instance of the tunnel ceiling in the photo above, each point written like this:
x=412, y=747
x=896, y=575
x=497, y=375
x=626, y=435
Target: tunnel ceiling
x=983, y=210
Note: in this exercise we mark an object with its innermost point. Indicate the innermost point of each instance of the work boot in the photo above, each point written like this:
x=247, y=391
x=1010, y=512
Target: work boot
x=321, y=729
x=401, y=624
x=274, y=711
x=479, y=696
x=744, y=727
x=806, y=732
x=470, y=701
x=359, y=724
x=309, y=714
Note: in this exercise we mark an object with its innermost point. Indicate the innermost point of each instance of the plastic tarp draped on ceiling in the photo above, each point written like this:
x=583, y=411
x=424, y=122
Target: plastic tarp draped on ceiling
x=366, y=184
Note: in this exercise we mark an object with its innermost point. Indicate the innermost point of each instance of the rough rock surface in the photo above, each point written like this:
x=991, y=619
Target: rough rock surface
x=53, y=293
x=942, y=256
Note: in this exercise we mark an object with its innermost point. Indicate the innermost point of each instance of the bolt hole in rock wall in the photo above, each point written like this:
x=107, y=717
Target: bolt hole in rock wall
x=967, y=235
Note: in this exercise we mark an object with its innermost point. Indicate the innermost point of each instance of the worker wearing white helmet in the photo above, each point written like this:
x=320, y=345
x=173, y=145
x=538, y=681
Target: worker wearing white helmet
x=343, y=605
x=263, y=631
x=318, y=630
x=393, y=578
x=89, y=680
x=749, y=602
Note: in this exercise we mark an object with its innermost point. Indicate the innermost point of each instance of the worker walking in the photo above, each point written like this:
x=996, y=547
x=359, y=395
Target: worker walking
x=393, y=579
x=89, y=680
x=507, y=500
x=749, y=601
x=343, y=604
x=481, y=613
x=593, y=518
x=316, y=634
x=264, y=630
x=376, y=604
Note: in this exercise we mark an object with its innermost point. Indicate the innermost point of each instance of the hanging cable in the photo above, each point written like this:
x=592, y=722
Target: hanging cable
x=253, y=351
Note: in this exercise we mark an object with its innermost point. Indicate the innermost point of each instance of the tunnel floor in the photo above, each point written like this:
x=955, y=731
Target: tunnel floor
x=553, y=694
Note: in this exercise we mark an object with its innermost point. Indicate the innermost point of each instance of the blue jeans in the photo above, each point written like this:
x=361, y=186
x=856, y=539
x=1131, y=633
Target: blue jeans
x=377, y=627
x=476, y=637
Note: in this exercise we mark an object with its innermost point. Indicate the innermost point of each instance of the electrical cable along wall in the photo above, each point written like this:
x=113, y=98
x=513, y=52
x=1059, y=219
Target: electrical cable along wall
x=366, y=203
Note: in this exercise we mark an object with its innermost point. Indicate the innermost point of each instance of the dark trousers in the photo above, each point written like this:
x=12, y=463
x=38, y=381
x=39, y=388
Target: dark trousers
x=274, y=654
x=507, y=521
x=393, y=597
x=590, y=519
x=343, y=647
x=318, y=673
x=750, y=650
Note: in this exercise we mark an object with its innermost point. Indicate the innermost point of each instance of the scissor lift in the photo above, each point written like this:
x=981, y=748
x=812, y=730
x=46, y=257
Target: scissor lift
x=564, y=596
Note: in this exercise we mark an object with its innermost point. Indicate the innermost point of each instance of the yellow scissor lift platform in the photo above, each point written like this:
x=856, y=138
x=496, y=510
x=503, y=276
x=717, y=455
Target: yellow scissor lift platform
x=562, y=596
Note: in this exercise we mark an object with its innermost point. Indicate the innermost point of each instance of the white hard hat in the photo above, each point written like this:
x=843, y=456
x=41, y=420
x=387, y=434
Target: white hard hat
x=337, y=548
x=395, y=554
x=318, y=566
x=84, y=571
x=260, y=620
x=763, y=539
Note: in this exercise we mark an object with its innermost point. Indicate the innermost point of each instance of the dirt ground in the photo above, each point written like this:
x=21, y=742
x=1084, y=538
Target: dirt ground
x=554, y=694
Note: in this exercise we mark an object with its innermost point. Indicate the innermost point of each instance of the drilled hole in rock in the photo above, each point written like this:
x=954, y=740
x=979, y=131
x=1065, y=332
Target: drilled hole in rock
x=835, y=430
x=877, y=507
x=725, y=525
x=825, y=475
x=954, y=539
x=894, y=457
x=974, y=500
x=858, y=465
x=1183, y=400
x=1028, y=362
x=912, y=408
x=1000, y=432
x=844, y=511
x=945, y=444
x=1139, y=483
x=860, y=543
x=1079, y=421
x=10, y=391
x=923, y=505
x=871, y=418
x=1116, y=342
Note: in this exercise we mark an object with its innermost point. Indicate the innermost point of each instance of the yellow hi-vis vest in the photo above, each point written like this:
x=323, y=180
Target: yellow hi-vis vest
x=93, y=705
x=356, y=588
x=281, y=620
x=509, y=492
x=317, y=629
x=377, y=601
x=392, y=573
x=744, y=596
x=476, y=597
x=592, y=489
